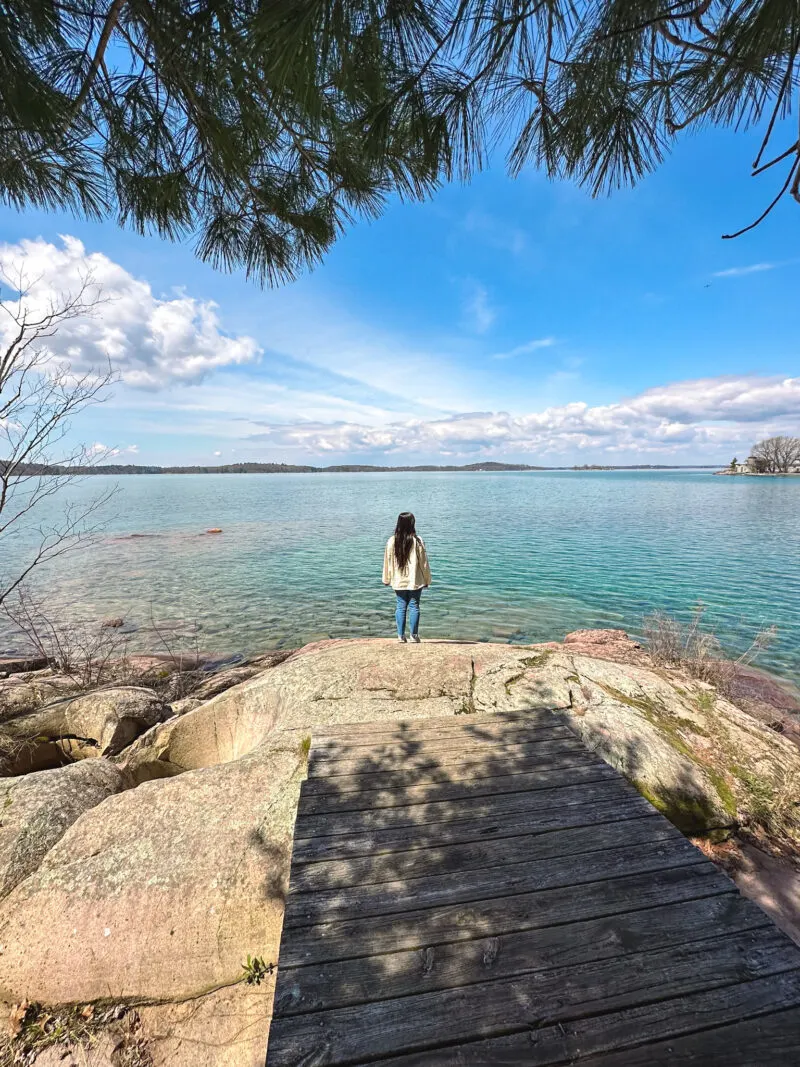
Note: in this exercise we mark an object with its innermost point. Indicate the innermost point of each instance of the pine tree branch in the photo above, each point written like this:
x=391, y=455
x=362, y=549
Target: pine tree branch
x=105, y=36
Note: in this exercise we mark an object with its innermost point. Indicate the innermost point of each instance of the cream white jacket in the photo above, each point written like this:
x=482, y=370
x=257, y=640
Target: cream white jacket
x=415, y=575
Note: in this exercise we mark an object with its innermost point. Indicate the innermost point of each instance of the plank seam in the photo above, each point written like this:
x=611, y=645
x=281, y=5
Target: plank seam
x=541, y=1023
x=521, y=973
x=732, y=891
x=476, y=796
x=292, y=925
x=653, y=816
x=481, y=839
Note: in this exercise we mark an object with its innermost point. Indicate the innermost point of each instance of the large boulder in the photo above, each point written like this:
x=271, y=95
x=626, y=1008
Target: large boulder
x=699, y=759
x=37, y=810
x=24, y=692
x=607, y=644
x=159, y=893
x=704, y=763
x=218, y=681
x=323, y=684
x=226, y=1028
x=100, y=723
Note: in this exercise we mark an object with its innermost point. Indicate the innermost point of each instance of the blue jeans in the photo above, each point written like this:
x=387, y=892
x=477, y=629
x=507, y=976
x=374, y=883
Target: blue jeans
x=407, y=601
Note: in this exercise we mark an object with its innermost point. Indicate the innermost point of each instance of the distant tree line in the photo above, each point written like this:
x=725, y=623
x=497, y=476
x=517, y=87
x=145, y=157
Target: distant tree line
x=44, y=470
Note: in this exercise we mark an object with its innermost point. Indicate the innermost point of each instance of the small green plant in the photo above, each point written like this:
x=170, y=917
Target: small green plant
x=305, y=747
x=255, y=969
x=538, y=660
x=705, y=700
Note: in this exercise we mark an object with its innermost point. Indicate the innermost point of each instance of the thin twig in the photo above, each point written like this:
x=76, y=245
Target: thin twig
x=763, y=215
x=792, y=148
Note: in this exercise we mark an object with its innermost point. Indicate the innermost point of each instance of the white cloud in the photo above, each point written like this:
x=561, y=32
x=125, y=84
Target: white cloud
x=98, y=449
x=526, y=349
x=217, y=453
x=478, y=312
x=736, y=272
x=151, y=341
x=705, y=416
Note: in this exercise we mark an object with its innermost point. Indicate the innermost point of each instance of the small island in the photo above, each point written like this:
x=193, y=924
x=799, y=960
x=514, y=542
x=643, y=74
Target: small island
x=773, y=456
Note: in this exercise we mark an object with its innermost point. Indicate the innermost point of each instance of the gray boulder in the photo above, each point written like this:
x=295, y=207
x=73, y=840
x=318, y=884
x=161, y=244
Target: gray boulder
x=160, y=892
x=24, y=692
x=37, y=810
x=101, y=723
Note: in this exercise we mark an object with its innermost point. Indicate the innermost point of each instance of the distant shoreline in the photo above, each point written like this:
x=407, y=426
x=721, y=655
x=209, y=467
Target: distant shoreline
x=759, y=474
x=288, y=468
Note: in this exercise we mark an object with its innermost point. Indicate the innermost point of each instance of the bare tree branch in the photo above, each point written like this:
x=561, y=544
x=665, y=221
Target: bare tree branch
x=39, y=395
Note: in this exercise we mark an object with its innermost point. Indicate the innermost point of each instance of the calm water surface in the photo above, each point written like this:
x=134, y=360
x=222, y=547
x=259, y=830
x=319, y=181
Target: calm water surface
x=516, y=557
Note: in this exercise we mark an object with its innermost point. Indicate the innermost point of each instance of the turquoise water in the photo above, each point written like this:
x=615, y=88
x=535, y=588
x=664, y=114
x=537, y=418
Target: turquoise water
x=516, y=557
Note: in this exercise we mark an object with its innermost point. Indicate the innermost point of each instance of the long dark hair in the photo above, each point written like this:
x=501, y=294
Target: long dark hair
x=405, y=535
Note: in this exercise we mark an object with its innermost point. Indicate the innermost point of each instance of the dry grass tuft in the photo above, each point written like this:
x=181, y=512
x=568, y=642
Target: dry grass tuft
x=676, y=644
x=34, y=1028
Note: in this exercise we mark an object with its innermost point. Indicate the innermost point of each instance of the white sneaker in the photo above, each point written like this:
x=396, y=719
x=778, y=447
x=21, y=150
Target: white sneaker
x=415, y=638
x=402, y=639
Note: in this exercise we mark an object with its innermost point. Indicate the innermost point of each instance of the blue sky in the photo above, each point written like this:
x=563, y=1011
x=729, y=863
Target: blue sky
x=504, y=319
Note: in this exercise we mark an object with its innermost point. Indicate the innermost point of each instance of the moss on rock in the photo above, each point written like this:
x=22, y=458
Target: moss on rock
x=691, y=813
x=539, y=660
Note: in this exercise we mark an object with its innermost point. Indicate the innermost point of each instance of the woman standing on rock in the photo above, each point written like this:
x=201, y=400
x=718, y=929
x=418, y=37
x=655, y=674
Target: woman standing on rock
x=406, y=570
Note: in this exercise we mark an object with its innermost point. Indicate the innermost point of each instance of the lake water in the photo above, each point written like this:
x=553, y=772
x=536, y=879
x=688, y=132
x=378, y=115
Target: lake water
x=518, y=557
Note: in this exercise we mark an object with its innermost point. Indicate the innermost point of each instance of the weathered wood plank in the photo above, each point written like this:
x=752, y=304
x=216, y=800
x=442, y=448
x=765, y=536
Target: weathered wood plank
x=306, y=909
x=488, y=735
x=355, y=792
x=331, y=842
x=387, y=1027
x=434, y=810
x=642, y=826
x=766, y=1040
x=497, y=757
x=461, y=963
x=377, y=934
x=363, y=731
x=391, y=753
x=572, y=1041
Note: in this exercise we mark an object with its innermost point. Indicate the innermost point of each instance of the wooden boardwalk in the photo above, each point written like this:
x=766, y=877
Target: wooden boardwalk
x=484, y=890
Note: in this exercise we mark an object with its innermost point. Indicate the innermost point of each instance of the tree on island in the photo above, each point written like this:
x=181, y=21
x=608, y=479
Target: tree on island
x=776, y=455
x=261, y=129
x=38, y=397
